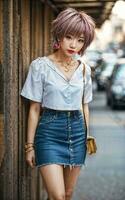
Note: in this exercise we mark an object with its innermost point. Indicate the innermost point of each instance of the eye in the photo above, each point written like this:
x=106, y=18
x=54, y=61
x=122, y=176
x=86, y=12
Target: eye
x=68, y=37
x=81, y=40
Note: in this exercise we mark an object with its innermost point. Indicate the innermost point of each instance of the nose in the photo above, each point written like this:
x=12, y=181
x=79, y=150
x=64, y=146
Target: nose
x=73, y=44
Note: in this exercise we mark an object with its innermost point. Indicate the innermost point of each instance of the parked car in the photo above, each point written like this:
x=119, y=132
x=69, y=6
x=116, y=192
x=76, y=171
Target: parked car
x=103, y=73
x=115, y=87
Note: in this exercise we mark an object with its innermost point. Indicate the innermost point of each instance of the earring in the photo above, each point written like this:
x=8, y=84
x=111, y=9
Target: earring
x=56, y=44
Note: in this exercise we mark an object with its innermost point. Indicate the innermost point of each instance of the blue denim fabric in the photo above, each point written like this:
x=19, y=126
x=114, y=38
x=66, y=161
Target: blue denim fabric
x=60, y=138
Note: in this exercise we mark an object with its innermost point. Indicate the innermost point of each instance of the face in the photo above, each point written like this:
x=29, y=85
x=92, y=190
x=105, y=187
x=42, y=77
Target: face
x=71, y=45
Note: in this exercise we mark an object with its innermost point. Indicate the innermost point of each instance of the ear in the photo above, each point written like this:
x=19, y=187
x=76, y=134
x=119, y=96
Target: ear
x=56, y=44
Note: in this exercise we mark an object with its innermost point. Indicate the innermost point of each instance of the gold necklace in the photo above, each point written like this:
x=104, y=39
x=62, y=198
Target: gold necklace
x=67, y=65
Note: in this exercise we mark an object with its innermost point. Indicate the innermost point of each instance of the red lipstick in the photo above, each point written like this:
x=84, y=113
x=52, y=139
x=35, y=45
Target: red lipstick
x=71, y=52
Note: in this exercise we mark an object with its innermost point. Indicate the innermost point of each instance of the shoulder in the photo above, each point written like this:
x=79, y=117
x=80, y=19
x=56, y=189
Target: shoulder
x=38, y=64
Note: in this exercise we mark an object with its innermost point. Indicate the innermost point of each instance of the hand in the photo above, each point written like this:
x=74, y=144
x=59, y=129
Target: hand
x=90, y=137
x=30, y=158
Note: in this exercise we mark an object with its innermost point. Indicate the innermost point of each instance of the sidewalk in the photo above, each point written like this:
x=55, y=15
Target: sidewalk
x=104, y=175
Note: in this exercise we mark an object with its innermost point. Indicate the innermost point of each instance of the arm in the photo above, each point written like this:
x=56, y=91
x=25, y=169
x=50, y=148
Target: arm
x=33, y=117
x=86, y=114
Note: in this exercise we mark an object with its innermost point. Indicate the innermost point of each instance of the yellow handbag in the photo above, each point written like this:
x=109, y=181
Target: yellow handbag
x=91, y=145
x=91, y=142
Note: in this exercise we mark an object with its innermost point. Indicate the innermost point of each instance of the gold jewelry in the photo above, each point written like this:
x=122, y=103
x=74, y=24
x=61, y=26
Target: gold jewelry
x=29, y=147
x=28, y=150
x=29, y=143
x=67, y=65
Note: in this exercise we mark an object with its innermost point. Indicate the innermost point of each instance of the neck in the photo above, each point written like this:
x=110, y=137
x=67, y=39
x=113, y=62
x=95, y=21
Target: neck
x=62, y=57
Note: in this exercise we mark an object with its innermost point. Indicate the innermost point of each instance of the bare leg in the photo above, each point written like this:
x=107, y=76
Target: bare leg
x=54, y=181
x=70, y=179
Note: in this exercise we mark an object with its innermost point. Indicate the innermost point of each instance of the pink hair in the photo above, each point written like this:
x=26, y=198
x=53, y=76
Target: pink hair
x=71, y=21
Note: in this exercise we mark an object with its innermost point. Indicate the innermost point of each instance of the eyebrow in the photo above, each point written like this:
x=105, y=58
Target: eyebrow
x=82, y=37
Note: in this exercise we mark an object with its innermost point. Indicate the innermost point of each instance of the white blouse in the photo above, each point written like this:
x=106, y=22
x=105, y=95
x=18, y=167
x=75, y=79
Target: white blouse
x=46, y=84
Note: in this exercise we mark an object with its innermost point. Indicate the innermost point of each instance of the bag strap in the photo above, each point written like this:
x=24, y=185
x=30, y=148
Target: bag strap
x=83, y=71
x=84, y=95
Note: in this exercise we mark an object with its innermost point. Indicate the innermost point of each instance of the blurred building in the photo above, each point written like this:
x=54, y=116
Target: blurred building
x=112, y=32
x=25, y=35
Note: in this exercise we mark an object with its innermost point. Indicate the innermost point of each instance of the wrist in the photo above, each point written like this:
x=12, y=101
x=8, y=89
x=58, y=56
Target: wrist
x=29, y=142
x=28, y=150
x=29, y=146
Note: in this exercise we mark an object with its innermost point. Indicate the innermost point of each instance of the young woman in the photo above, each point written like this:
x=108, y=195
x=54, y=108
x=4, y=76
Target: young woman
x=56, y=140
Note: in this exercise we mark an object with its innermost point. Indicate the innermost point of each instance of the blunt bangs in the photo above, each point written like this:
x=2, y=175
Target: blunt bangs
x=75, y=23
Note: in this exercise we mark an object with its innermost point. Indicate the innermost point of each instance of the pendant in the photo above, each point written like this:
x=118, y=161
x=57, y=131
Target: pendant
x=66, y=70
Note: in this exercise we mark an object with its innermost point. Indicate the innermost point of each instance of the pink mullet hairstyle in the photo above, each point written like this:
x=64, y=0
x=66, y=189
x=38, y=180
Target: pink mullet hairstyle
x=73, y=22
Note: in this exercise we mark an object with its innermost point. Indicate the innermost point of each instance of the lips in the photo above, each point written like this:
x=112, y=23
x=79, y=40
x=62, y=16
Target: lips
x=71, y=52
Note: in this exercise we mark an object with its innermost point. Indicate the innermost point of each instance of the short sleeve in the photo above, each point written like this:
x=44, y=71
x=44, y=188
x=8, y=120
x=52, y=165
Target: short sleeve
x=33, y=86
x=88, y=85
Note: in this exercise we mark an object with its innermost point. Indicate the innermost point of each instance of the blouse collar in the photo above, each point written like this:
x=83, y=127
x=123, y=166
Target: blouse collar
x=53, y=66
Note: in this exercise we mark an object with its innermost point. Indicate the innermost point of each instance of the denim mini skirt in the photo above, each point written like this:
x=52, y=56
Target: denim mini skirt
x=60, y=138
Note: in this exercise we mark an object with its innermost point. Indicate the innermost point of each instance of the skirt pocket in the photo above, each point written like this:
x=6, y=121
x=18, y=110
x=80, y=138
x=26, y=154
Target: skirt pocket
x=47, y=118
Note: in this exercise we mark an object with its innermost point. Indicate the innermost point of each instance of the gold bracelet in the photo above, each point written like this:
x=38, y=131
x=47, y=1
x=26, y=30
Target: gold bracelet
x=29, y=150
x=27, y=146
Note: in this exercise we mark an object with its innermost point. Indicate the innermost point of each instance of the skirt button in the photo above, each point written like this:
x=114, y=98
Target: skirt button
x=69, y=114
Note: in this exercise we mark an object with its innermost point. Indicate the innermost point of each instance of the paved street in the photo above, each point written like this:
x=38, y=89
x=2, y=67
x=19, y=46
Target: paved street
x=104, y=175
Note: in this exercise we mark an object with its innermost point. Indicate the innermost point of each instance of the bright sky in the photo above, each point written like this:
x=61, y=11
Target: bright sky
x=119, y=9
x=105, y=34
